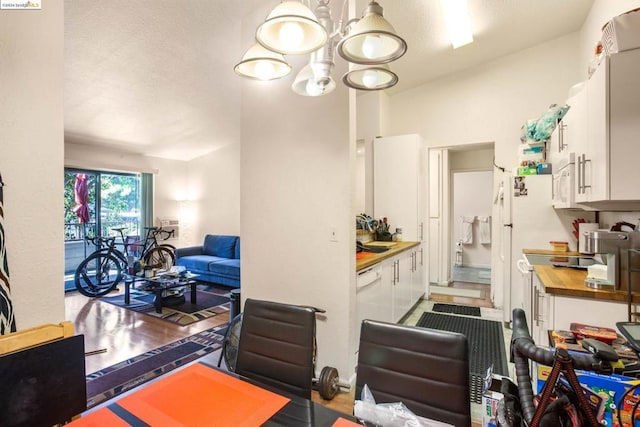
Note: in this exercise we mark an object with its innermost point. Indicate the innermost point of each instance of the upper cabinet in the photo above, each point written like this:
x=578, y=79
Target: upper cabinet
x=397, y=187
x=606, y=158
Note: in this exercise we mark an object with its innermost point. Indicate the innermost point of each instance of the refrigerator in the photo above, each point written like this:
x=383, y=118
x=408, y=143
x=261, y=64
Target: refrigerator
x=529, y=221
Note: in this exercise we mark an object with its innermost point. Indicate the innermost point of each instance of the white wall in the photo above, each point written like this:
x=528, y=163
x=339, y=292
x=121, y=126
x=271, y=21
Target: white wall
x=297, y=179
x=31, y=152
x=213, y=191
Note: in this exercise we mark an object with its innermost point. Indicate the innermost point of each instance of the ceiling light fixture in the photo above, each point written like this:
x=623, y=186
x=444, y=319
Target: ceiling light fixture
x=456, y=15
x=292, y=28
x=262, y=64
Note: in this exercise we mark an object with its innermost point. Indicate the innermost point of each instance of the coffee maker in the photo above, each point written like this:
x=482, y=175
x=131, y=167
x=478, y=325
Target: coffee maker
x=612, y=249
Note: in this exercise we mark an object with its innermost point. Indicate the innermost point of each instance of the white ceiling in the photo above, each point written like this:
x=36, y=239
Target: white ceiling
x=156, y=76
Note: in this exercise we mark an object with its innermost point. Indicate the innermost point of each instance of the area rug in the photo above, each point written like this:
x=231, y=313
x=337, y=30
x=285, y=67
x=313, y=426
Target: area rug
x=116, y=379
x=457, y=309
x=211, y=301
x=486, y=345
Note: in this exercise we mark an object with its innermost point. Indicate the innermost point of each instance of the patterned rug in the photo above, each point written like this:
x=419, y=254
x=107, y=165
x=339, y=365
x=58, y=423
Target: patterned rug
x=211, y=301
x=116, y=379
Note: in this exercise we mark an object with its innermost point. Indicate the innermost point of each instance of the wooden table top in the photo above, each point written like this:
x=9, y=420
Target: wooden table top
x=569, y=282
x=375, y=258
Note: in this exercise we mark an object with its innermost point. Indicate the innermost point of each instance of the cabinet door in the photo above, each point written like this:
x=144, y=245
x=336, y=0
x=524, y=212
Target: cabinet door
x=402, y=286
x=624, y=125
x=592, y=162
x=395, y=183
x=543, y=313
x=418, y=285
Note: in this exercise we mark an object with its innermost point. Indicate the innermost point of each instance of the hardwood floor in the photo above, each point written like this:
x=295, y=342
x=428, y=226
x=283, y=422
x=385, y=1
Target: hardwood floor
x=125, y=333
x=483, y=301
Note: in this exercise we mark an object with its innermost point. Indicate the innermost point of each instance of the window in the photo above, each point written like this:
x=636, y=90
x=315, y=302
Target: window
x=97, y=201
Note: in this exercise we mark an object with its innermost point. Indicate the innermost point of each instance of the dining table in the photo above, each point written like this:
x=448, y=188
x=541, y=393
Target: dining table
x=201, y=394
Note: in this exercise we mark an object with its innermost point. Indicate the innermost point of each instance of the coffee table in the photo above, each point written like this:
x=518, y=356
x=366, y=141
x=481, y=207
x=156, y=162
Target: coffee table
x=159, y=284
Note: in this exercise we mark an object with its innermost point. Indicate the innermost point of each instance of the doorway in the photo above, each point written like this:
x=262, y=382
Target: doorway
x=471, y=225
x=462, y=177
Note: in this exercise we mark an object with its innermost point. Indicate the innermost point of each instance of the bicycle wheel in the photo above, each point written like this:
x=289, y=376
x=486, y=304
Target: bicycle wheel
x=98, y=274
x=160, y=257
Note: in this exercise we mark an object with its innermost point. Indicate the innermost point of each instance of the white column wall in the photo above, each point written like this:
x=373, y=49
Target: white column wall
x=31, y=153
x=297, y=175
x=213, y=192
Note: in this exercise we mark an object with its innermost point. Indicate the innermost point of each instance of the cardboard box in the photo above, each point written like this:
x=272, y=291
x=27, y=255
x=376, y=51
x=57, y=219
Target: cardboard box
x=610, y=387
x=490, y=397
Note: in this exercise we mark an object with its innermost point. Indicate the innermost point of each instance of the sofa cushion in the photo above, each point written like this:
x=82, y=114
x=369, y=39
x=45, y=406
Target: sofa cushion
x=236, y=252
x=218, y=245
x=198, y=262
x=228, y=267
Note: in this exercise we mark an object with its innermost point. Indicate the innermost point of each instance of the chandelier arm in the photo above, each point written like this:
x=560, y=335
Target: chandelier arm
x=340, y=29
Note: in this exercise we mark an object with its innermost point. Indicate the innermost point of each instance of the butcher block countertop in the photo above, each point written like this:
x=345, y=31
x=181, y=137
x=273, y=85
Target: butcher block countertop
x=569, y=282
x=371, y=258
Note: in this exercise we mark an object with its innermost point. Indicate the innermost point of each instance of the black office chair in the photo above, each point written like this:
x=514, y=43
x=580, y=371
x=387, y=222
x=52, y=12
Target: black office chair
x=426, y=369
x=276, y=346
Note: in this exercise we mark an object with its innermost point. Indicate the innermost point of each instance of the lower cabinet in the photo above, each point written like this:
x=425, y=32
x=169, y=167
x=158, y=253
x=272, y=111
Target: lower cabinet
x=389, y=289
x=558, y=312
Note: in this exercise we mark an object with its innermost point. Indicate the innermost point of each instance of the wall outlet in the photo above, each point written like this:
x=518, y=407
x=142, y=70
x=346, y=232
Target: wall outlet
x=333, y=234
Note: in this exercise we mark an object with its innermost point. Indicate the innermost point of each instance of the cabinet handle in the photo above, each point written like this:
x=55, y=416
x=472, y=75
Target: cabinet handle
x=421, y=231
x=421, y=256
x=579, y=176
x=536, y=315
x=584, y=174
x=561, y=144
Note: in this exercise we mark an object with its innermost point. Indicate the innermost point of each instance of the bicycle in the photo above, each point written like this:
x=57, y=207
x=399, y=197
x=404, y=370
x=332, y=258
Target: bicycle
x=103, y=269
x=532, y=411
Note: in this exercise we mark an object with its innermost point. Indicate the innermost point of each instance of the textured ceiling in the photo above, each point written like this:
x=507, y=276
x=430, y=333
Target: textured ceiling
x=156, y=76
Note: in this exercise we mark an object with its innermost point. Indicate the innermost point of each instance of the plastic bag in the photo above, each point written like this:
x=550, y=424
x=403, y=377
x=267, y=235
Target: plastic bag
x=388, y=414
x=541, y=129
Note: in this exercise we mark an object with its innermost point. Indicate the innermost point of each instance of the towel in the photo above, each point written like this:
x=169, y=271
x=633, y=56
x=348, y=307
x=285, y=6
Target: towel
x=467, y=230
x=484, y=230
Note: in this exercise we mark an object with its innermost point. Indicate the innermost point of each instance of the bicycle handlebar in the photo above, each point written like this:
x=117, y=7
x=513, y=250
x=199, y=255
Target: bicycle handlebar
x=524, y=349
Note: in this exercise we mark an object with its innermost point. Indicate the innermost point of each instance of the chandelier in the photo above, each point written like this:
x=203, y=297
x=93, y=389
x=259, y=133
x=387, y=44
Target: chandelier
x=369, y=44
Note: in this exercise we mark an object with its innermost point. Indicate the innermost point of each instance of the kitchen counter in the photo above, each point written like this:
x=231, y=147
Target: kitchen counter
x=569, y=282
x=374, y=258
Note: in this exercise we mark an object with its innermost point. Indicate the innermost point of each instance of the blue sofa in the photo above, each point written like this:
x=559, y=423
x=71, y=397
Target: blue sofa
x=216, y=261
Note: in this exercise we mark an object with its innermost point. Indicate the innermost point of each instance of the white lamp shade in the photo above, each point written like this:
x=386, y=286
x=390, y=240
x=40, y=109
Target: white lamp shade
x=305, y=84
x=372, y=40
x=262, y=64
x=370, y=78
x=290, y=29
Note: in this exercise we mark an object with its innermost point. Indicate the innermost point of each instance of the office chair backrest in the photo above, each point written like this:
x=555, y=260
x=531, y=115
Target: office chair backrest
x=426, y=369
x=276, y=345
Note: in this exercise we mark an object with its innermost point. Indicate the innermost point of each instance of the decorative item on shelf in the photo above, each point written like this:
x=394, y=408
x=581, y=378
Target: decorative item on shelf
x=292, y=28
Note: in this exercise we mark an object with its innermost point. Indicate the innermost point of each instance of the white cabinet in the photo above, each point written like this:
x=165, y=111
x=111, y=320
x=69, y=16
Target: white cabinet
x=542, y=313
x=396, y=187
x=418, y=286
x=401, y=285
x=606, y=165
x=373, y=293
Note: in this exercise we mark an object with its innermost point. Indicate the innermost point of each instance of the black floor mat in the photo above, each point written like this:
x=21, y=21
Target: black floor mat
x=457, y=309
x=486, y=345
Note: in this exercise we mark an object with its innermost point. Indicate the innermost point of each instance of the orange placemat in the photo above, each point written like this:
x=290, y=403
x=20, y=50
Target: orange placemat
x=100, y=418
x=201, y=396
x=343, y=422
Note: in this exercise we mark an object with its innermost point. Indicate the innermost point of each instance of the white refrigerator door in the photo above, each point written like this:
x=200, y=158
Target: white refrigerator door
x=535, y=224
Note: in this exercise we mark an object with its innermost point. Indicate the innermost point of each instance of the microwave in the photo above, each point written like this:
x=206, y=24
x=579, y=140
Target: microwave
x=564, y=177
